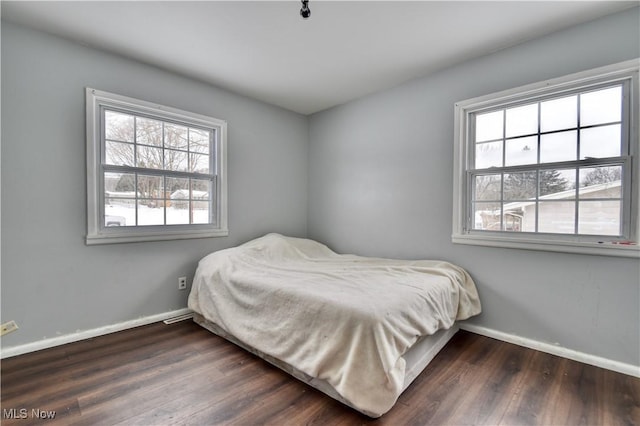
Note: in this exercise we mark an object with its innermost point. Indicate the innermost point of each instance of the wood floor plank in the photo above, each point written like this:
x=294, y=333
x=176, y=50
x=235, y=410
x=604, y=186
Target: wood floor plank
x=484, y=393
x=540, y=392
x=621, y=396
x=182, y=374
x=150, y=389
x=218, y=394
x=81, y=380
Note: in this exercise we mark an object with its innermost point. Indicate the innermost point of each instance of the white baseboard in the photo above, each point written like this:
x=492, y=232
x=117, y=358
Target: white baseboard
x=620, y=367
x=88, y=334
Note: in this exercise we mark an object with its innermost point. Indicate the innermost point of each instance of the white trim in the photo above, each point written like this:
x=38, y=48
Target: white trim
x=620, y=367
x=597, y=361
x=461, y=232
x=88, y=334
x=150, y=236
x=600, y=248
x=97, y=233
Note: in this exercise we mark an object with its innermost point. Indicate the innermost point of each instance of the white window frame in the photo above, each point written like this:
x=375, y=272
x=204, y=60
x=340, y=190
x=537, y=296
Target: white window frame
x=97, y=232
x=625, y=245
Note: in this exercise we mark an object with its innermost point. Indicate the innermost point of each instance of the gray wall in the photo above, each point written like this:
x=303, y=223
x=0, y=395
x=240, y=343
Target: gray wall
x=371, y=177
x=52, y=283
x=380, y=183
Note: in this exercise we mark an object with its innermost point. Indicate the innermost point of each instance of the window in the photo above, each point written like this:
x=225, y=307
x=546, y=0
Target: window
x=153, y=172
x=551, y=165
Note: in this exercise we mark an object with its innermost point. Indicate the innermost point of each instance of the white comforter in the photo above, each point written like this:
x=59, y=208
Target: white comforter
x=342, y=318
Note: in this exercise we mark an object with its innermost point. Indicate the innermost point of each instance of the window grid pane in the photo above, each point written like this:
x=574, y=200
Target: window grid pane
x=549, y=201
x=112, y=146
x=158, y=200
x=600, y=217
x=156, y=144
x=132, y=143
x=521, y=143
x=561, y=124
x=556, y=217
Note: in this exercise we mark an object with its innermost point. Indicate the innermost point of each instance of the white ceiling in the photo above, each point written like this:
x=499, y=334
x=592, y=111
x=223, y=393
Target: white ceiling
x=265, y=50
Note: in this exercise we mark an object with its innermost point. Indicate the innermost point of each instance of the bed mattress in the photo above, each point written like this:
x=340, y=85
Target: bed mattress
x=344, y=324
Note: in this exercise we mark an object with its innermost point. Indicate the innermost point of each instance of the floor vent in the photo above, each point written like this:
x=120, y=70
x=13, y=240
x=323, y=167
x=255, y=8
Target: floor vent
x=179, y=318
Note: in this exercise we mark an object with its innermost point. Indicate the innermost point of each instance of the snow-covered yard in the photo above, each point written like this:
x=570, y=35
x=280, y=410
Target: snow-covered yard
x=156, y=215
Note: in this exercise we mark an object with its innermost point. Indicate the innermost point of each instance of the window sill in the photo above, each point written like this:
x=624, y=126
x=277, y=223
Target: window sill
x=605, y=248
x=139, y=237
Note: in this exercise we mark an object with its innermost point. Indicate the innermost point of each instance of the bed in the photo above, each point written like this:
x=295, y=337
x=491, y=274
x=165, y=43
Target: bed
x=359, y=329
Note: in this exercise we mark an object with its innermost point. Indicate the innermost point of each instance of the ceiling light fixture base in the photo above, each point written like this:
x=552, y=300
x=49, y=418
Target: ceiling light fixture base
x=305, y=12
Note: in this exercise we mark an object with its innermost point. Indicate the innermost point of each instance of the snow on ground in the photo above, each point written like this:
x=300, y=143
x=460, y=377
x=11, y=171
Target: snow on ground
x=155, y=216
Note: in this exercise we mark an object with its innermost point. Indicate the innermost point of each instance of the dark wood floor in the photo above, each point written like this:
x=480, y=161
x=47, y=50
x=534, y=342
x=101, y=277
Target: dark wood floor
x=181, y=374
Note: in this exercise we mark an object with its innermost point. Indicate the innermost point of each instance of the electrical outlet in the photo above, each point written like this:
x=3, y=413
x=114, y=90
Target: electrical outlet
x=182, y=283
x=8, y=327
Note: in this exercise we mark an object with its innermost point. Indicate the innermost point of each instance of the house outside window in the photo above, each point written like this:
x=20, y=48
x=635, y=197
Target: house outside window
x=153, y=172
x=552, y=165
